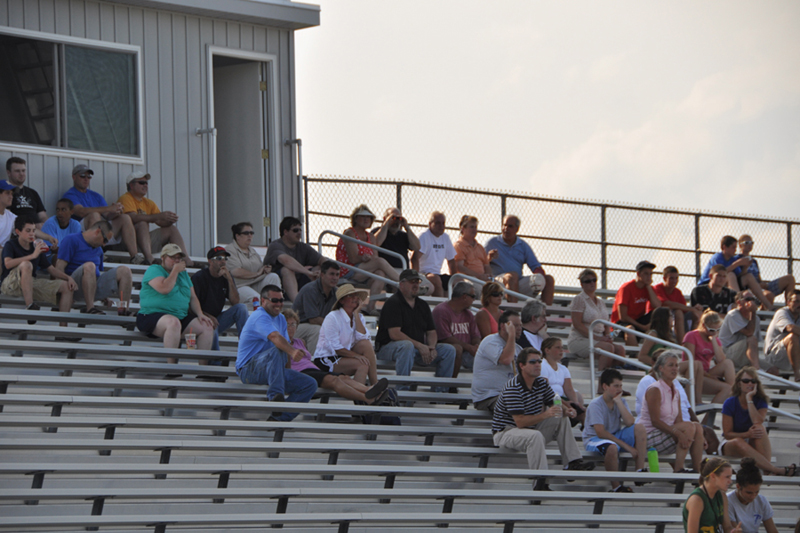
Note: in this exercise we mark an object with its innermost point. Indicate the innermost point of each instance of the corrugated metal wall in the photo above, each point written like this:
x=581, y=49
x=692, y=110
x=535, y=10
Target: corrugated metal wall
x=175, y=96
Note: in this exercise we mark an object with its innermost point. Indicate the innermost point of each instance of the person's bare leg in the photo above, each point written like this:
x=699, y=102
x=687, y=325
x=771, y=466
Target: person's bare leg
x=89, y=283
x=289, y=280
x=352, y=367
x=792, y=343
x=640, y=434
x=680, y=325
x=90, y=219
x=173, y=235
x=712, y=385
x=749, y=281
x=127, y=232
x=603, y=361
x=169, y=329
x=740, y=448
x=699, y=374
x=697, y=446
x=786, y=285
x=511, y=282
x=364, y=347
x=26, y=281
x=205, y=335
x=386, y=268
x=143, y=240
x=124, y=283
x=630, y=340
x=611, y=462
x=64, y=299
x=549, y=291
x=763, y=446
x=436, y=281
x=733, y=283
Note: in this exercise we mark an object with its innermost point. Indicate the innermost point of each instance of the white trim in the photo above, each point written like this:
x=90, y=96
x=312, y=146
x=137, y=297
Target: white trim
x=274, y=184
x=98, y=45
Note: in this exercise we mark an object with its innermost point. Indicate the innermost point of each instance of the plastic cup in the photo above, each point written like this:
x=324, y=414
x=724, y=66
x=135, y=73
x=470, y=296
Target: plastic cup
x=191, y=341
x=652, y=460
x=122, y=308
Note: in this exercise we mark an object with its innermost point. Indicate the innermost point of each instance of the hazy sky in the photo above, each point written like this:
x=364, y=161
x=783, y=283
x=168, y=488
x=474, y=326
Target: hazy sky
x=680, y=104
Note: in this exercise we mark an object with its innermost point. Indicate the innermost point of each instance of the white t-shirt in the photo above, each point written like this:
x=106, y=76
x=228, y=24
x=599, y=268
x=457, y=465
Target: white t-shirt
x=556, y=377
x=434, y=250
x=751, y=515
x=6, y=226
x=535, y=340
x=642, y=389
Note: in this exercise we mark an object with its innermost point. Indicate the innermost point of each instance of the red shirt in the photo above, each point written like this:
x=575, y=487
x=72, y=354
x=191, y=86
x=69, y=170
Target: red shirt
x=661, y=292
x=632, y=296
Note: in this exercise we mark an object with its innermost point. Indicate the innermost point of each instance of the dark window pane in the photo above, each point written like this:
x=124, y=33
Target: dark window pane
x=100, y=88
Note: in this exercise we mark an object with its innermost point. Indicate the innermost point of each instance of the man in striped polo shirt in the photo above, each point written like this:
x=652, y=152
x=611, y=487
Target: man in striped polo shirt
x=525, y=419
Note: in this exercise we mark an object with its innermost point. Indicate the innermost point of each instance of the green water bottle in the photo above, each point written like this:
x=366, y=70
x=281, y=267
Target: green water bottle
x=652, y=460
x=557, y=403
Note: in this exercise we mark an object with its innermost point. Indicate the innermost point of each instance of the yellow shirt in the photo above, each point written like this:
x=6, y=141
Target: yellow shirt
x=145, y=206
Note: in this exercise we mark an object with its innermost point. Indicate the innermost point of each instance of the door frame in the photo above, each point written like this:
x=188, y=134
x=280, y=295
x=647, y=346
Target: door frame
x=270, y=128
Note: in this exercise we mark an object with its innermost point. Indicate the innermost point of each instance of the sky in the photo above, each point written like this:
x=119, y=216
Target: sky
x=674, y=104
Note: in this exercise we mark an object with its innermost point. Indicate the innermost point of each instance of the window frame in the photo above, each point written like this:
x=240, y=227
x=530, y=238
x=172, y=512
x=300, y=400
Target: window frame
x=134, y=50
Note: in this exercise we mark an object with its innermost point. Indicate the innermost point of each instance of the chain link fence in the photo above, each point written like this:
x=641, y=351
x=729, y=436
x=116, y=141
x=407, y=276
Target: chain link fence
x=566, y=235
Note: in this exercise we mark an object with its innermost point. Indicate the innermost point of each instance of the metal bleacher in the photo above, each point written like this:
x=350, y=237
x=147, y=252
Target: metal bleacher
x=93, y=436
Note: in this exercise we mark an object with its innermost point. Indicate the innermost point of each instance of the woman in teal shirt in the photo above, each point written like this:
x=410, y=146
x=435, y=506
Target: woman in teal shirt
x=706, y=509
x=168, y=306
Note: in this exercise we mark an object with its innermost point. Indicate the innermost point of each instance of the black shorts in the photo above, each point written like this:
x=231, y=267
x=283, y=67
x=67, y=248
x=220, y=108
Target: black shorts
x=318, y=375
x=147, y=323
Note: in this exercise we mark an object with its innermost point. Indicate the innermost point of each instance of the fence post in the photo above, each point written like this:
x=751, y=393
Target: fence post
x=603, y=248
x=502, y=208
x=305, y=202
x=790, y=260
x=400, y=197
x=697, y=270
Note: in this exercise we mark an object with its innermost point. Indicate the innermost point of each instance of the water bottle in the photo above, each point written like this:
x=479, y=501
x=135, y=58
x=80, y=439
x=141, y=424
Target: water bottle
x=652, y=460
x=255, y=303
x=557, y=403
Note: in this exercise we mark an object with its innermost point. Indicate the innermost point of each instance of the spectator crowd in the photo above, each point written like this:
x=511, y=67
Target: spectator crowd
x=519, y=371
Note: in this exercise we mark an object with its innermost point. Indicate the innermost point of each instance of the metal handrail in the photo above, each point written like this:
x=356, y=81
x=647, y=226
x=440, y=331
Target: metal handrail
x=785, y=382
x=592, y=350
x=450, y=285
x=375, y=247
x=355, y=268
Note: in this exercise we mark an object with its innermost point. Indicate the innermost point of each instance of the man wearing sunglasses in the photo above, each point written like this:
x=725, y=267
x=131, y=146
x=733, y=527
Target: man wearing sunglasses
x=455, y=324
x=534, y=325
x=80, y=255
x=635, y=301
x=494, y=361
x=263, y=355
x=90, y=207
x=213, y=285
x=741, y=332
x=525, y=418
x=782, y=344
x=143, y=212
x=294, y=261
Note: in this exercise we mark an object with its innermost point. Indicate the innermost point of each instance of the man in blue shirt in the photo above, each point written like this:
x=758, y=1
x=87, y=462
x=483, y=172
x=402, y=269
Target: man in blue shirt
x=80, y=255
x=508, y=254
x=263, y=349
x=61, y=225
x=90, y=207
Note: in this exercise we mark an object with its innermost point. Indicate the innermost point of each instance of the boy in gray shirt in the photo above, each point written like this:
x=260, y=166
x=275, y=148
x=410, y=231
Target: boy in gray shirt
x=603, y=432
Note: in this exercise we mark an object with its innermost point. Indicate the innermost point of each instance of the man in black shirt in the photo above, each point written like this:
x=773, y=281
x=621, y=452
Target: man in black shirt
x=715, y=295
x=396, y=235
x=407, y=333
x=214, y=285
x=27, y=202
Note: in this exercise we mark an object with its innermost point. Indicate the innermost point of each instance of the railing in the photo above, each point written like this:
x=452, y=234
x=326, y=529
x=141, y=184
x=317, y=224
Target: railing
x=592, y=350
x=567, y=235
x=785, y=382
x=361, y=243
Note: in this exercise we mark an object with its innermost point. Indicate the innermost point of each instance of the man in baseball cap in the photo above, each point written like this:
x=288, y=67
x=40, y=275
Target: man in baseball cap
x=635, y=301
x=90, y=207
x=213, y=285
x=6, y=216
x=143, y=212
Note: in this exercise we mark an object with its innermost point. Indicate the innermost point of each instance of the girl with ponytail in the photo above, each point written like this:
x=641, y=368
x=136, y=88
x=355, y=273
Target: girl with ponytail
x=745, y=504
x=706, y=509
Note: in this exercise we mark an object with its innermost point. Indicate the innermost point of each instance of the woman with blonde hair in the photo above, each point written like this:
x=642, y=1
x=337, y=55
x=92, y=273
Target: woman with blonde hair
x=487, y=317
x=705, y=346
x=471, y=258
x=585, y=308
x=743, y=416
x=363, y=257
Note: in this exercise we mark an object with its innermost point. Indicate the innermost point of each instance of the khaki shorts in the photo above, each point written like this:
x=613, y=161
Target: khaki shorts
x=106, y=284
x=44, y=290
x=737, y=352
x=778, y=357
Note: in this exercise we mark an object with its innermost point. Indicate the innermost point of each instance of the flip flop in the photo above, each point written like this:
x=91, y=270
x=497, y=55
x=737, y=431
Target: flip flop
x=376, y=389
x=790, y=471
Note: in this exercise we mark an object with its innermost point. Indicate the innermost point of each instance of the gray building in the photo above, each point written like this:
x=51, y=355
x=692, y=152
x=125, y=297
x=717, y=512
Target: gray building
x=201, y=98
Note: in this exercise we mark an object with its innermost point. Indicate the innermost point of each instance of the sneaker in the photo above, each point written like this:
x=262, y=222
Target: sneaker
x=138, y=259
x=32, y=307
x=577, y=464
x=541, y=485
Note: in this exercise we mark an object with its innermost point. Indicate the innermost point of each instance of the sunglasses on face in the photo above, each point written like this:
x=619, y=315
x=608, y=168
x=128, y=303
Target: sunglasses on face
x=749, y=299
x=140, y=182
x=87, y=176
x=470, y=295
x=533, y=362
x=589, y=280
x=276, y=300
x=297, y=230
x=247, y=233
x=748, y=380
x=713, y=330
x=496, y=294
x=747, y=242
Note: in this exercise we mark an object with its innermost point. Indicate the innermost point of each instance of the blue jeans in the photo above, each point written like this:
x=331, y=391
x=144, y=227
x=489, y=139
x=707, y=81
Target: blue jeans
x=236, y=314
x=404, y=354
x=269, y=368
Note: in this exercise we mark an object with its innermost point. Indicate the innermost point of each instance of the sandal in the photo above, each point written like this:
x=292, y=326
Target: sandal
x=380, y=399
x=790, y=471
x=376, y=389
x=622, y=488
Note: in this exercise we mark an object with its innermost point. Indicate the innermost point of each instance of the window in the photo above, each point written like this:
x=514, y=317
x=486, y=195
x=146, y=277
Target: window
x=68, y=96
